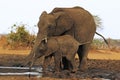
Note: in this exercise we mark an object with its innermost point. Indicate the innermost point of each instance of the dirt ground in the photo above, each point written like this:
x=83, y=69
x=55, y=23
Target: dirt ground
x=102, y=64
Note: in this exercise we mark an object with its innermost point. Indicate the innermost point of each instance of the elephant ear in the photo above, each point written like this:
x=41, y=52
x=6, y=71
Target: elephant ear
x=63, y=23
x=43, y=13
x=58, y=14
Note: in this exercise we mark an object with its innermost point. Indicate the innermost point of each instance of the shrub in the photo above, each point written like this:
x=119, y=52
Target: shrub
x=19, y=37
x=98, y=44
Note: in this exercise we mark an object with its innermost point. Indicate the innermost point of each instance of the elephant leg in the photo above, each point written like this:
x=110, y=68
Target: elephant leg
x=71, y=63
x=65, y=63
x=83, y=53
x=46, y=62
x=57, y=60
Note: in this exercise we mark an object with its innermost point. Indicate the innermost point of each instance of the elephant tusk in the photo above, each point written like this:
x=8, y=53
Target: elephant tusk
x=46, y=39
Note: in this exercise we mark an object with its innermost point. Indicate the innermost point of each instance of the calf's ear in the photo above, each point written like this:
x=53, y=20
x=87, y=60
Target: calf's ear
x=43, y=45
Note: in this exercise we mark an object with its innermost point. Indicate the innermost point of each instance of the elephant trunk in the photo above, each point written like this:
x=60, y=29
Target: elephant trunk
x=38, y=40
x=34, y=54
x=32, y=63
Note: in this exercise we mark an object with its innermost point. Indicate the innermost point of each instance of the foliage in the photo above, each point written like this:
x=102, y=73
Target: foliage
x=98, y=44
x=20, y=37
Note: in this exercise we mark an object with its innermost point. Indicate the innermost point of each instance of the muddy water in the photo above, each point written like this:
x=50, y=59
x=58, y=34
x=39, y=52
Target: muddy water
x=97, y=70
x=20, y=71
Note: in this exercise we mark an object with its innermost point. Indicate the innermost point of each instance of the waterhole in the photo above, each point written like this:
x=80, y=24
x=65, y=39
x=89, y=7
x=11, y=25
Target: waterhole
x=20, y=71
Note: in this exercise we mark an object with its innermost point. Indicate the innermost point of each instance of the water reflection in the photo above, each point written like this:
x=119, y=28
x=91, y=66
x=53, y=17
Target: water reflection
x=22, y=71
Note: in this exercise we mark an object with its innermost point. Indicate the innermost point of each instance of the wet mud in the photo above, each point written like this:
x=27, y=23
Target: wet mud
x=97, y=69
x=100, y=69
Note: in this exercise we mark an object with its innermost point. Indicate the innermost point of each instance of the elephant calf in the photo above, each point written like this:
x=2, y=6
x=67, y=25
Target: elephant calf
x=62, y=46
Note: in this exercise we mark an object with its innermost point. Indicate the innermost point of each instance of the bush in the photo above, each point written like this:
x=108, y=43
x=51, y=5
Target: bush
x=98, y=44
x=19, y=37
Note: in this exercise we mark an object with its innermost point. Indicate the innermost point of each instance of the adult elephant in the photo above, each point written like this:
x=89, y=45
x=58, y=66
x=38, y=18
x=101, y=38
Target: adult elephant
x=75, y=21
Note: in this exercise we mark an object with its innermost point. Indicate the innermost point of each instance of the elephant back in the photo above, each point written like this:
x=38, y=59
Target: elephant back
x=83, y=25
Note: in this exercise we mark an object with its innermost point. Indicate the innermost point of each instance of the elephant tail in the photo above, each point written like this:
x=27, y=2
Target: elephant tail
x=103, y=39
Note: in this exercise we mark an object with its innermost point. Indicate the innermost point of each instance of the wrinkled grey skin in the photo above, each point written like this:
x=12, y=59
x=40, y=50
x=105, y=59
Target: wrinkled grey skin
x=62, y=46
x=77, y=22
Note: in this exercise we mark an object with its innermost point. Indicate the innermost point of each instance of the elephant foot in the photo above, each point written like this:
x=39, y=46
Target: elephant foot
x=83, y=65
x=56, y=72
x=46, y=74
x=73, y=70
x=82, y=68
